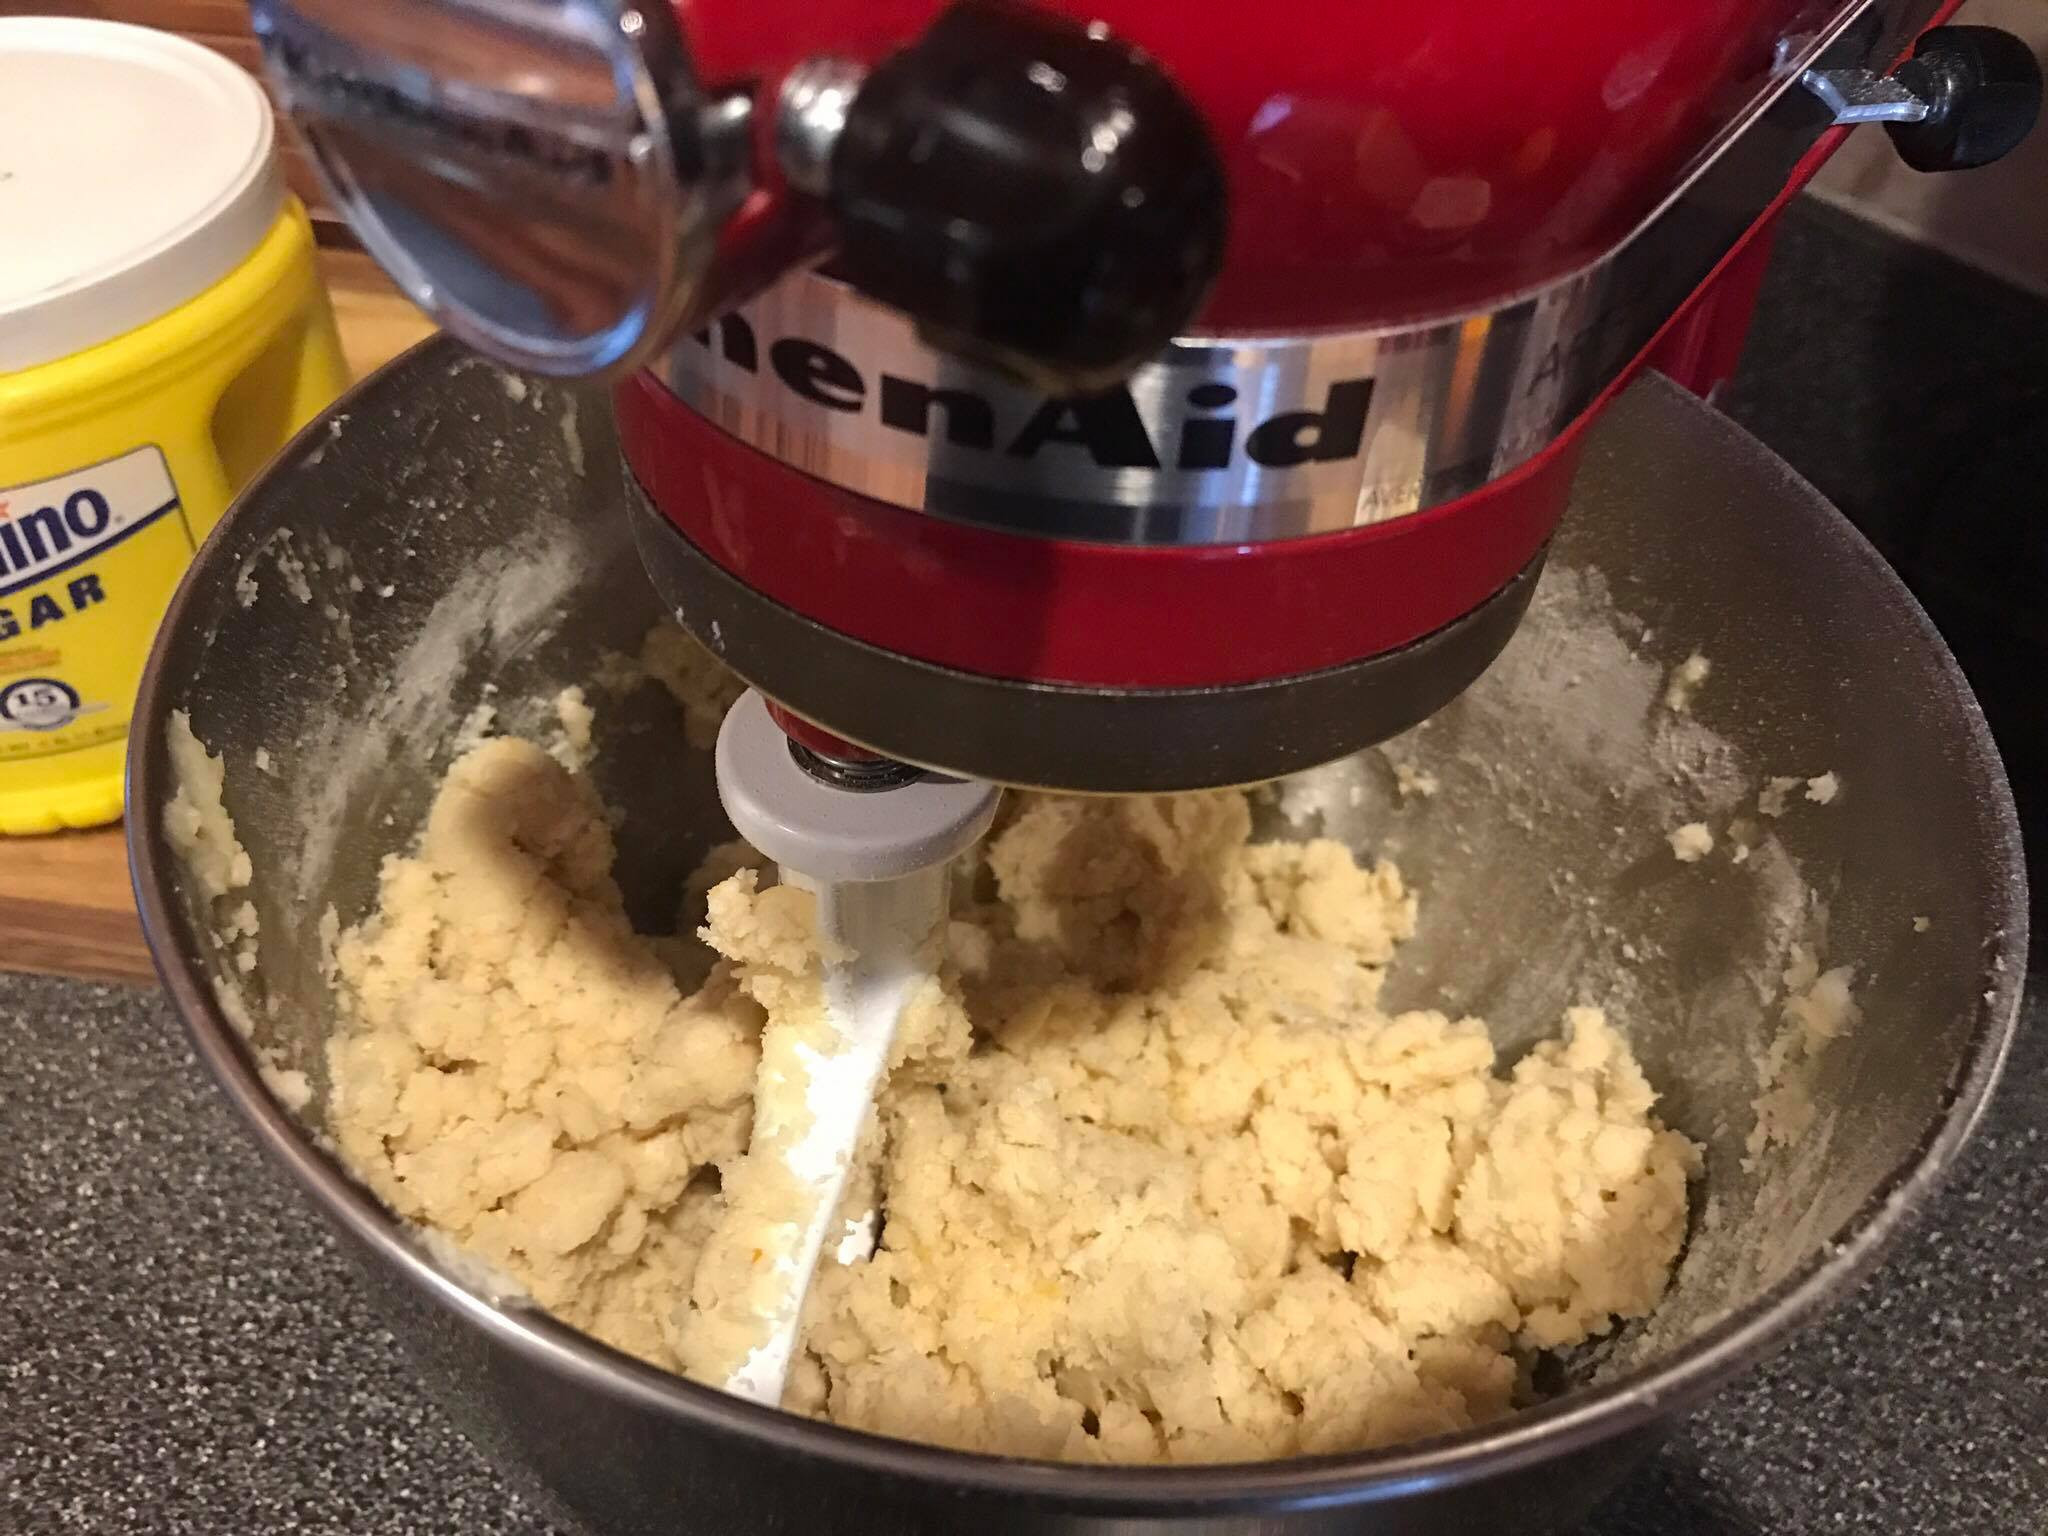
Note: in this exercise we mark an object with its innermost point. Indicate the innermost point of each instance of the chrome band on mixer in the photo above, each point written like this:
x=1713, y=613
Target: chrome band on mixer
x=1211, y=443
x=1240, y=440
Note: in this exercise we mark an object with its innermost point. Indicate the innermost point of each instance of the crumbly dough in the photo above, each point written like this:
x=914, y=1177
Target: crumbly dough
x=1691, y=842
x=1820, y=1007
x=202, y=833
x=195, y=820
x=1775, y=797
x=1158, y=1178
x=1685, y=681
x=522, y=1071
x=1411, y=781
x=575, y=716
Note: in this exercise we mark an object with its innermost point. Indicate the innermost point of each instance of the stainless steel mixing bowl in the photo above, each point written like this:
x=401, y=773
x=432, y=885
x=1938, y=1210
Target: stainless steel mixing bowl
x=449, y=537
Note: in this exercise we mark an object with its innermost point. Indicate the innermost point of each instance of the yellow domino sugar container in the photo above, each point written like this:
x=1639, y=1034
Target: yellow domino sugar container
x=163, y=331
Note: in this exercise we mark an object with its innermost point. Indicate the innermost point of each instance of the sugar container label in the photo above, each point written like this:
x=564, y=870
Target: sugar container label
x=88, y=559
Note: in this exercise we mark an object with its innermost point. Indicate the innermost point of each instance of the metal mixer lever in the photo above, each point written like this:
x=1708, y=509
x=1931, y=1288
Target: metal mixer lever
x=1966, y=97
x=562, y=187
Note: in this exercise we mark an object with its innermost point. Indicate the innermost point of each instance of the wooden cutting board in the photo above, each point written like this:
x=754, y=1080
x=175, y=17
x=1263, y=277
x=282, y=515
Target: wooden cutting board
x=65, y=904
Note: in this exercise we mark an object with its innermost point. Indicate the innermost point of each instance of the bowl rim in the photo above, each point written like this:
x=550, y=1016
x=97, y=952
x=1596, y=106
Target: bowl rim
x=1578, y=1420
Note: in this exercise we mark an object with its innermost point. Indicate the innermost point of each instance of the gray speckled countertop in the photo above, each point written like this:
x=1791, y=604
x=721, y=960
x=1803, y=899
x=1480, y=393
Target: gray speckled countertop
x=183, y=1348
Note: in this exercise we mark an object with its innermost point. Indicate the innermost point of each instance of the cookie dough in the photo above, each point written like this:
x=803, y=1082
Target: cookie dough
x=1685, y=681
x=522, y=1071
x=1691, y=842
x=1156, y=1178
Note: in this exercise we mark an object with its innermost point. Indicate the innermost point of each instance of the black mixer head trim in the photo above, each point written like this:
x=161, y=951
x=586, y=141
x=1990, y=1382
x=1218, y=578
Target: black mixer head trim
x=1062, y=736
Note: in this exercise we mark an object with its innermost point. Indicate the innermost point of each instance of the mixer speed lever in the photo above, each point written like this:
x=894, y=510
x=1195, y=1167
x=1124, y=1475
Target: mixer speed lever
x=1967, y=96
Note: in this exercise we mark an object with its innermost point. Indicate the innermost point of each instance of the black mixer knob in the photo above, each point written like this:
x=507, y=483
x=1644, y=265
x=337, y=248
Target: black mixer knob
x=1035, y=194
x=1982, y=87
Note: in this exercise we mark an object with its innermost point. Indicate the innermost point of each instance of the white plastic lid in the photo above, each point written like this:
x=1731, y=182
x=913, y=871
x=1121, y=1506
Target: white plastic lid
x=136, y=171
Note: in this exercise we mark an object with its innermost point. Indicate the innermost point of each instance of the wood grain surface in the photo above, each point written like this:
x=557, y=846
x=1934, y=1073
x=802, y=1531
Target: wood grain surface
x=376, y=324
x=65, y=905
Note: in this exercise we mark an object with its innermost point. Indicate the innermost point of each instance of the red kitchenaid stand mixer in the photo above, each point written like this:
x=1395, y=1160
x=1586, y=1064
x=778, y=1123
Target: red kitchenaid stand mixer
x=1120, y=395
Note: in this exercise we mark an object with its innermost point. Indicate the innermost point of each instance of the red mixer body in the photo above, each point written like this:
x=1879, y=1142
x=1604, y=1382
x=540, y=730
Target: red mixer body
x=1123, y=616
x=1386, y=161
x=1107, y=394
x=1389, y=167
x=1070, y=611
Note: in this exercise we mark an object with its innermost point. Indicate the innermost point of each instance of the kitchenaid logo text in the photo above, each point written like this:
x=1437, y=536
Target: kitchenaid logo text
x=1197, y=427
x=52, y=525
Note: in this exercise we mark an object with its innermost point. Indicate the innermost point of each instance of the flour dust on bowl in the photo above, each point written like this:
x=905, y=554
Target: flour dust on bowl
x=1821, y=996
